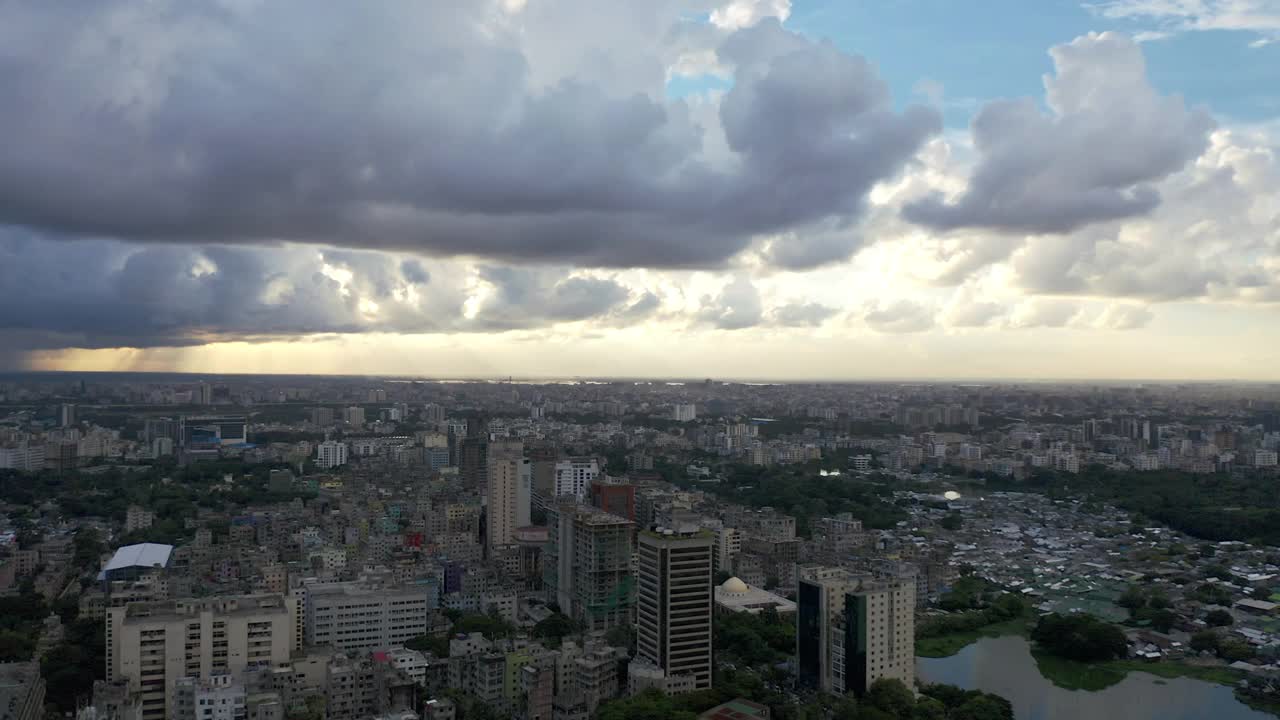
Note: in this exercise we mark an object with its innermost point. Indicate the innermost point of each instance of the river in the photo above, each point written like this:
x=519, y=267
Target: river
x=1004, y=666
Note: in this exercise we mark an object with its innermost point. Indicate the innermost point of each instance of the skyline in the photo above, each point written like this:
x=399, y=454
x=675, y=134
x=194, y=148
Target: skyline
x=756, y=189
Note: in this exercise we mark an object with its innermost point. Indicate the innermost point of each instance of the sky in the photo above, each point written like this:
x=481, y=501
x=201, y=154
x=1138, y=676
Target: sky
x=756, y=189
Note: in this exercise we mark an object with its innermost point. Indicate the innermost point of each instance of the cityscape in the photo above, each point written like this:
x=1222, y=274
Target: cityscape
x=640, y=360
x=338, y=547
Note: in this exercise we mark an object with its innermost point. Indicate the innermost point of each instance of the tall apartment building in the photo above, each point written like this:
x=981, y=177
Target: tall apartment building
x=153, y=645
x=854, y=629
x=684, y=412
x=674, y=603
x=587, y=565
x=574, y=477
x=509, y=488
x=728, y=544
x=331, y=454
x=351, y=617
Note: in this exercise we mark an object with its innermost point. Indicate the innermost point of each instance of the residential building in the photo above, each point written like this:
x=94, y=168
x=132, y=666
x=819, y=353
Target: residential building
x=508, y=477
x=574, y=477
x=331, y=454
x=587, y=565
x=684, y=412
x=218, y=698
x=152, y=645
x=354, y=617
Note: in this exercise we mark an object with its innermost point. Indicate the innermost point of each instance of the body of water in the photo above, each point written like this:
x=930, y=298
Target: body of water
x=1004, y=666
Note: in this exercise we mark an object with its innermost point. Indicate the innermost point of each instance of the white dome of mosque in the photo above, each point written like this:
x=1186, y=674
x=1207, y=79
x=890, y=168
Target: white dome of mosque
x=734, y=586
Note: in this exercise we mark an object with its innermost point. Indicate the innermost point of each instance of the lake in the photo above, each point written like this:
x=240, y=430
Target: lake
x=1004, y=666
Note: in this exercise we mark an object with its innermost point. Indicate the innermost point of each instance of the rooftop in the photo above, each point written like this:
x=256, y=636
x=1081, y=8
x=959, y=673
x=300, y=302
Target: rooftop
x=737, y=709
x=146, y=555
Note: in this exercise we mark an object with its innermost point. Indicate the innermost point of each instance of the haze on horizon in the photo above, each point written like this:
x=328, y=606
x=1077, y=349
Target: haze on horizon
x=768, y=189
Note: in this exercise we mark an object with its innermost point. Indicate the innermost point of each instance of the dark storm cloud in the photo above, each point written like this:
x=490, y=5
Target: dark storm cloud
x=423, y=127
x=103, y=293
x=1095, y=158
x=524, y=298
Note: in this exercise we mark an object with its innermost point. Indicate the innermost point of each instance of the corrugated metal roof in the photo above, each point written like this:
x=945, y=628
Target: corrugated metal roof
x=140, y=555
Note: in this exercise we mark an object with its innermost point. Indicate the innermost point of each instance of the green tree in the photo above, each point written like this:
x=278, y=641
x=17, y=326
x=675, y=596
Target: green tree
x=554, y=628
x=1080, y=637
x=1219, y=618
x=891, y=696
x=982, y=708
x=953, y=521
x=928, y=708
x=1163, y=620
x=1205, y=641
x=1134, y=598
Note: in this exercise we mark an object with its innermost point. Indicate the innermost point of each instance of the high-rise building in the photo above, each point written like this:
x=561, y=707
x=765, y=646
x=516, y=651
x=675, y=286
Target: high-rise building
x=508, y=487
x=852, y=630
x=212, y=430
x=728, y=544
x=152, y=645
x=433, y=413
x=674, y=603
x=204, y=394
x=353, y=416
x=473, y=462
x=574, y=477
x=331, y=454
x=587, y=565
x=67, y=415
x=684, y=412
x=321, y=416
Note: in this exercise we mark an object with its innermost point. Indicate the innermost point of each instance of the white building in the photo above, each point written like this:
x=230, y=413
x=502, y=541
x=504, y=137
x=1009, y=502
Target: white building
x=684, y=412
x=575, y=475
x=733, y=595
x=331, y=454
x=351, y=617
x=22, y=457
x=218, y=698
x=1266, y=458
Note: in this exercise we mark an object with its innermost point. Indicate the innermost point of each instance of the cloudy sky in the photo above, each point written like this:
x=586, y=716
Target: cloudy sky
x=732, y=188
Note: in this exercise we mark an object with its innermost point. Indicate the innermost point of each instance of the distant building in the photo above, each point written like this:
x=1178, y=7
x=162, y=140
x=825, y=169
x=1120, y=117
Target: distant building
x=508, y=477
x=575, y=475
x=212, y=430
x=353, y=416
x=331, y=454
x=683, y=412
x=67, y=415
x=137, y=518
